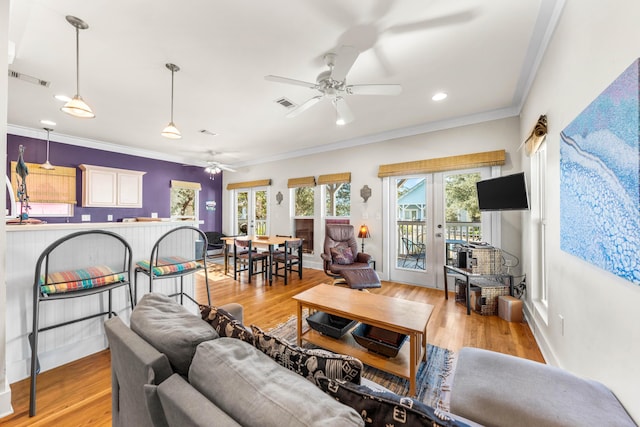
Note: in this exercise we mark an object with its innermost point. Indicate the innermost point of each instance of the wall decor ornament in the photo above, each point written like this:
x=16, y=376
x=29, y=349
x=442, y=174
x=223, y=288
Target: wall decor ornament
x=365, y=193
x=536, y=137
x=210, y=205
x=279, y=197
x=600, y=180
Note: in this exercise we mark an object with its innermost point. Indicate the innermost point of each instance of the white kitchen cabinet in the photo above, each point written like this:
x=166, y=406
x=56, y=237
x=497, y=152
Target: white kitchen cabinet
x=110, y=187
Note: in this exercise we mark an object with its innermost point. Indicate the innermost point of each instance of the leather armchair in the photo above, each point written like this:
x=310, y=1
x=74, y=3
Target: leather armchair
x=342, y=234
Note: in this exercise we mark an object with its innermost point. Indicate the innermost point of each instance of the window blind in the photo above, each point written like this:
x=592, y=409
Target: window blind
x=47, y=185
x=186, y=184
x=249, y=184
x=306, y=181
x=335, y=178
x=465, y=161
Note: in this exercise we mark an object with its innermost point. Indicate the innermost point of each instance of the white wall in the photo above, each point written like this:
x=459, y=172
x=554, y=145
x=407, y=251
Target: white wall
x=363, y=163
x=5, y=391
x=594, y=42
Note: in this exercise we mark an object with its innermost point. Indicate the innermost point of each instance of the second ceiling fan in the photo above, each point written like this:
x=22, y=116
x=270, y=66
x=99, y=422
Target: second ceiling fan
x=332, y=84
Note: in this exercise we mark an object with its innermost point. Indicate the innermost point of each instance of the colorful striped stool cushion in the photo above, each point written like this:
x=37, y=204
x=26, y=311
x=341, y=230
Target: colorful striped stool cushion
x=84, y=278
x=170, y=265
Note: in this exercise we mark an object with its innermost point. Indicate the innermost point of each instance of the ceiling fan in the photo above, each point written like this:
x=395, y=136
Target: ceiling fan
x=332, y=84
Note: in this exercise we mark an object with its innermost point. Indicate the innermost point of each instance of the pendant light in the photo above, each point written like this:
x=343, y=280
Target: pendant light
x=171, y=131
x=76, y=106
x=46, y=165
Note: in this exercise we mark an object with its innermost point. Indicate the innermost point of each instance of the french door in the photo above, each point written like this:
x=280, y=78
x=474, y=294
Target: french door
x=429, y=215
x=251, y=213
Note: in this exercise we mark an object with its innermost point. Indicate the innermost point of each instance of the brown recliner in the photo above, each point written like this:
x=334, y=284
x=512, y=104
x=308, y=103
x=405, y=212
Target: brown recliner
x=342, y=234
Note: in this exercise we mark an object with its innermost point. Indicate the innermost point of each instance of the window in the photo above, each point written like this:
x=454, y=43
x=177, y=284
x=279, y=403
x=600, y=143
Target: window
x=184, y=200
x=337, y=194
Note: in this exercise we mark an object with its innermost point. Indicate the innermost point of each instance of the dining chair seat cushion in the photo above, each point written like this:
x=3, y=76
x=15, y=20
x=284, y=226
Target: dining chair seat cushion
x=255, y=256
x=169, y=265
x=84, y=278
x=279, y=256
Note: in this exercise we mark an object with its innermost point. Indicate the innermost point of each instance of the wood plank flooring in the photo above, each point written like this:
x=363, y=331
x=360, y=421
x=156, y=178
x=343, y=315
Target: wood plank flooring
x=79, y=393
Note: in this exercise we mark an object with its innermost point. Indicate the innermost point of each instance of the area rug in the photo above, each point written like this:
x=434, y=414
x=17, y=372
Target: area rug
x=432, y=378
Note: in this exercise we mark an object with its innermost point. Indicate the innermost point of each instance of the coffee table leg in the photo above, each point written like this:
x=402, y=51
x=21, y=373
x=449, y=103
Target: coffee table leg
x=299, y=324
x=413, y=338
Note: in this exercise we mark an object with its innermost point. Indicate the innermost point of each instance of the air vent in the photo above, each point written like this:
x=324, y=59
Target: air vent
x=207, y=132
x=29, y=79
x=285, y=103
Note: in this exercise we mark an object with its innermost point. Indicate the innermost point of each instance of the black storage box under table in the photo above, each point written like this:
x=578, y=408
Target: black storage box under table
x=330, y=325
x=378, y=340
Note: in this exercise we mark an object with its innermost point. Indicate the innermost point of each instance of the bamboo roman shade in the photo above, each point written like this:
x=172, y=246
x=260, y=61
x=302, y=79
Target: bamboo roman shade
x=47, y=185
x=249, y=184
x=186, y=184
x=306, y=181
x=465, y=161
x=335, y=178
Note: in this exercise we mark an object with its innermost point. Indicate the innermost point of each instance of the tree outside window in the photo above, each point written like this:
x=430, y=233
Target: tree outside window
x=183, y=203
x=338, y=200
x=304, y=216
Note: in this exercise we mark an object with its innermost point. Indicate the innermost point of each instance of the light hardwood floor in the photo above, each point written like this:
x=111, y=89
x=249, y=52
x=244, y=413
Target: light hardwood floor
x=79, y=393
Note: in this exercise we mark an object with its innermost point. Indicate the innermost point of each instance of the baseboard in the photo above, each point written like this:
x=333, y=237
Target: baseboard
x=539, y=336
x=5, y=400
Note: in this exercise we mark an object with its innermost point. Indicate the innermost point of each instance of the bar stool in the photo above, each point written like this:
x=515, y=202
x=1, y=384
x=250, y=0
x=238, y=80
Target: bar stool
x=178, y=253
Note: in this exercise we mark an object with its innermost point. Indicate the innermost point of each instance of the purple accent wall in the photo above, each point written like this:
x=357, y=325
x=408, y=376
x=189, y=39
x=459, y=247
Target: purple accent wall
x=156, y=183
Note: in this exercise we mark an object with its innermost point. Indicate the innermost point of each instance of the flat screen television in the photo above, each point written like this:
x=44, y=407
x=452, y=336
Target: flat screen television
x=503, y=193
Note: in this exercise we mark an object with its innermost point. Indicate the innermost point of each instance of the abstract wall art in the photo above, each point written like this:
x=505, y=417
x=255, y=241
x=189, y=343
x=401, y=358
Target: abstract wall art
x=600, y=180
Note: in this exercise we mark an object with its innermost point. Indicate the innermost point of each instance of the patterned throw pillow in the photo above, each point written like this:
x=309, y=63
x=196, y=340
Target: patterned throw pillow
x=310, y=363
x=225, y=324
x=383, y=408
x=342, y=255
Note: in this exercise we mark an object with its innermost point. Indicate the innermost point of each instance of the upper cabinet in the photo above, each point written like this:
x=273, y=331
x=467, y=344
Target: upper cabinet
x=110, y=187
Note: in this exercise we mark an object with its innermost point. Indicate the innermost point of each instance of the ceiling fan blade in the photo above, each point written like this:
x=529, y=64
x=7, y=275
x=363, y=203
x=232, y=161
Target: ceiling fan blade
x=226, y=168
x=344, y=112
x=289, y=81
x=304, y=106
x=345, y=58
x=381, y=89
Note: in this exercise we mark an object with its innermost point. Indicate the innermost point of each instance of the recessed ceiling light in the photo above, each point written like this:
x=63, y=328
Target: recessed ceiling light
x=63, y=98
x=48, y=122
x=439, y=96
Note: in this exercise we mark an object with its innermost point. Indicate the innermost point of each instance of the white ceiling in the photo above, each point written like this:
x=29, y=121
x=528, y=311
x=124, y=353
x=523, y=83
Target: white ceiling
x=483, y=53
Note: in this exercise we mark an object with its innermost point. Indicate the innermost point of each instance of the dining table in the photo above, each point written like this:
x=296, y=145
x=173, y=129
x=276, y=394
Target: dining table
x=269, y=242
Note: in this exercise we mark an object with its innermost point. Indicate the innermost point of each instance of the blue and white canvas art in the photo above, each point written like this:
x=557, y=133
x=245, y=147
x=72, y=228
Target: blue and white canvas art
x=600, y=180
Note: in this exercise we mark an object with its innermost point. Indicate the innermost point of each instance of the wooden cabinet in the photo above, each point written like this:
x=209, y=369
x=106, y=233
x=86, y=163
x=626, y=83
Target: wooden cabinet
x=110, y=187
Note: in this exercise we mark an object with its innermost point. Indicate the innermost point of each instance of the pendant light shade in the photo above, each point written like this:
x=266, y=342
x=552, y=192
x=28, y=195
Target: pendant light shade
x=171, y=131
x=46, y=165
x=76, y=106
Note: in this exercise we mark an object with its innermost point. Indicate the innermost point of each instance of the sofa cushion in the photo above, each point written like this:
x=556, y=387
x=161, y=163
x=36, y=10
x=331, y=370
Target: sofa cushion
x=181, y=405
x=383, y=408
x=225, y=324
x=170, y=328
x=249, y=386
x=530, y=394
x=310, y=363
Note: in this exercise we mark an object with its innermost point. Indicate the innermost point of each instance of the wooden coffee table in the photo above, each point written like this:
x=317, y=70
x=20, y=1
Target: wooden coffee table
x=394, y=314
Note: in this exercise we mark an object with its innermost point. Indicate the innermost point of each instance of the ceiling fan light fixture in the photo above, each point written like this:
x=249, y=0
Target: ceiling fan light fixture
x=171, y=131
x=76, y=107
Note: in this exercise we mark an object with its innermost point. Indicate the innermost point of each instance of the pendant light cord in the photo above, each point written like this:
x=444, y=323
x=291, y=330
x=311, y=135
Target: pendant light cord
x=172, y=73
x=77, y=61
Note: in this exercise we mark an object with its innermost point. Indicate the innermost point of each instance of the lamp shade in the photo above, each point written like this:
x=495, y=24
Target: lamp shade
x=171, y=131
x=364, y=232
x=78, y=108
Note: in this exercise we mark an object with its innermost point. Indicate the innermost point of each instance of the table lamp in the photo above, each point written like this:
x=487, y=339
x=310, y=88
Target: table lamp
x=363, y=234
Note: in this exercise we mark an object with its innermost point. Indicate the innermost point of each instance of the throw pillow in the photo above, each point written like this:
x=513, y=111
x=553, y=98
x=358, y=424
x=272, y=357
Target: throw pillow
x=310, y=363
x=384, y=408
x=225, y=324
x=342, y=255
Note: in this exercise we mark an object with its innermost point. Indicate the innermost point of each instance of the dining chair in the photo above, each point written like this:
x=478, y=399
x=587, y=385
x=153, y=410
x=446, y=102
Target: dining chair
x=80, y=264
x=178, y=253
x=246, y=258
x=286, y=259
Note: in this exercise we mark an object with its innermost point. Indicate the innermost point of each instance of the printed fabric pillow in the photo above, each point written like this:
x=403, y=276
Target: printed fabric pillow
x=383, y=408
x=342, y=255
x=225, y=324
x=310, y=363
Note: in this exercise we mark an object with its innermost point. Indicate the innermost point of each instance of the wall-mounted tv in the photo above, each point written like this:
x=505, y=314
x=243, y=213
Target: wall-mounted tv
x=503, y=193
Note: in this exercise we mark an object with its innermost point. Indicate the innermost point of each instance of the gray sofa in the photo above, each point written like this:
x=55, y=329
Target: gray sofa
x=171, y=368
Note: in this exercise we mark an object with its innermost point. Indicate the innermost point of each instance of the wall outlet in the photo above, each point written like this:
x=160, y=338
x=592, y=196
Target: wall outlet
x=109, y=217
x=154, y=214
x=86, y=217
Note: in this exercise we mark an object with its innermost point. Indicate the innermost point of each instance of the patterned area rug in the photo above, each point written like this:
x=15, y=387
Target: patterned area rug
x=433, y=375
